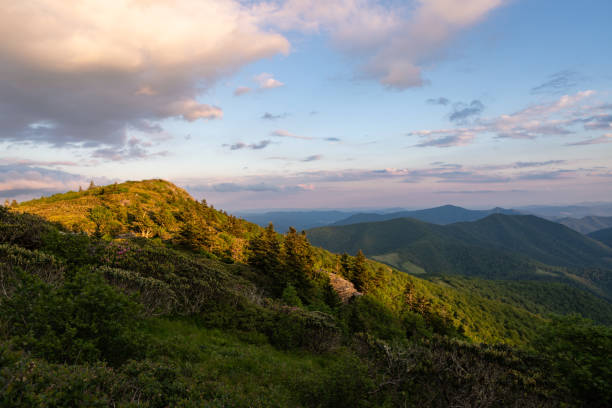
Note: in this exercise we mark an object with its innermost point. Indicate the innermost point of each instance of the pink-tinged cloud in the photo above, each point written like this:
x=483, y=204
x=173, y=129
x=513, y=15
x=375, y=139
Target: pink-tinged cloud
x=607, y=138
x=93, y=69
x=267, y=81
x=556, y=118
x=392, y=41
x=242, y=90
x=286, y=133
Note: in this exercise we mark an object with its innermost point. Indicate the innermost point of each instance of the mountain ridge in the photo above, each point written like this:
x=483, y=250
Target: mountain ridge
x=446, y=214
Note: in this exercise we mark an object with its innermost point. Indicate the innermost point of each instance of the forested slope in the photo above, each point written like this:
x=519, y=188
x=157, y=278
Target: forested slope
x=120, y=320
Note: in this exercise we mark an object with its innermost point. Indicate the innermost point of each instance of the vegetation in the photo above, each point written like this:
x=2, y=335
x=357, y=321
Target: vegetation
x=176, y=318
x=603, y=236
x=446, y=214
x=500, y=246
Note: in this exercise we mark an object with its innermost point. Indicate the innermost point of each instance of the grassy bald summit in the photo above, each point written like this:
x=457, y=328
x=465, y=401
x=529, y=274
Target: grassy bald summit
x=149, y=209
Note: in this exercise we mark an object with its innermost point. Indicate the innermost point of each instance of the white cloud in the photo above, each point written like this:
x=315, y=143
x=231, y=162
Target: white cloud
x=548, y=119
x=92, y=69
x=267, y=81
x=392, y=40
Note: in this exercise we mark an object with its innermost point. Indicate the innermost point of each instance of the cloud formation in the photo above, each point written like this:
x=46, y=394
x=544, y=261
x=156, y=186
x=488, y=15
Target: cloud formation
x=559, y=82
x=314, y=157
x=87, y=72
x=438, y=101
x=23, y=182
x=286, y=133
x=267, y=81
x=607, y=138
x=393, y=41
x=242, y=90
x=270, y=116
x=254, y=146
x=462, y=111
x=557, y=118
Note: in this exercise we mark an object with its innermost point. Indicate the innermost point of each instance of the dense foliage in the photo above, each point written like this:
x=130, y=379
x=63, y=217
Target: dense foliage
x=101, y=319
x=510, y=247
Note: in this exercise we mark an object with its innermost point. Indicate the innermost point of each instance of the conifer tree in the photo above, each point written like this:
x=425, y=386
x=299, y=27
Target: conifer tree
x=346, y=266
x=265, y=255
x=360, y=272
x=299, y=260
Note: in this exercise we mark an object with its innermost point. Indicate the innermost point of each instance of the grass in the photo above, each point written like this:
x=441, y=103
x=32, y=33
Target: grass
x=242, y=369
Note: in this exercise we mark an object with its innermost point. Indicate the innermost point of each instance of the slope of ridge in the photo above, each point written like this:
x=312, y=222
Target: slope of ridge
x=540, y=239
x=588, y=224
x=603, y=235
x=446, y=214
x=428, y=246
x=149, y=209
x=497, y=247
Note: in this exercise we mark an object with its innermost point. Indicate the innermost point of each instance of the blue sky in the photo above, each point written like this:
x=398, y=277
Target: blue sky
x=312, y=104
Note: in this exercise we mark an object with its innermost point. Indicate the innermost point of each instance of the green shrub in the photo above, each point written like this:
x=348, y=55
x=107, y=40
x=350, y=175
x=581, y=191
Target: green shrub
x=580, y=355
x=83, y=320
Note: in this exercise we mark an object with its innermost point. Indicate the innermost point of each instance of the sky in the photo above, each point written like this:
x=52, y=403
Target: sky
x=311, y=103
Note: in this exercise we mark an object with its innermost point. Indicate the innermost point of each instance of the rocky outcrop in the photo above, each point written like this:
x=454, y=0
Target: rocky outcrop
x=345, y=289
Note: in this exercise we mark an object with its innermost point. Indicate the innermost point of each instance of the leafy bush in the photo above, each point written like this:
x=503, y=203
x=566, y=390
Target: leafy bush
x=25, y=230
x=15, y=260
x=83, y=320
x=292, y=327
x=580, y=356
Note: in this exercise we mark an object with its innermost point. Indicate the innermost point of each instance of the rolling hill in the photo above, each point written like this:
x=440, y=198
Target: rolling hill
x=446, y=214
x=588, y=224
x=496, y=247
x=603, y=235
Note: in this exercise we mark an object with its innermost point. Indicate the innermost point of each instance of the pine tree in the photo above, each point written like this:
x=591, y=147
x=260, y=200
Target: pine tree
x=299, y=260
x=266, y=256
x=346, y=266
x=91, y=185
x=360, y=272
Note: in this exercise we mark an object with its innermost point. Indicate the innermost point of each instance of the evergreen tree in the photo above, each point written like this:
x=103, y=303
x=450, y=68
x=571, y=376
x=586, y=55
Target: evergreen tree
x=290, y=296
x=360, y=272
x=195, y=235
x=266, y=256
x=299, y=260
x=346, y=266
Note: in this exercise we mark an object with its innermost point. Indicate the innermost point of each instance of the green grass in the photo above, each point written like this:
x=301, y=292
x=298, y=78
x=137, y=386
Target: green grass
x=242, y=369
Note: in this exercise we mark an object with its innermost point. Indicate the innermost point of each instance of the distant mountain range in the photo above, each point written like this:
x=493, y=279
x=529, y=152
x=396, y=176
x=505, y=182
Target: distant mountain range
x=498, y=246
x=300, y=220
x=586, y=225
x=556, y=212
x=446, y=214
